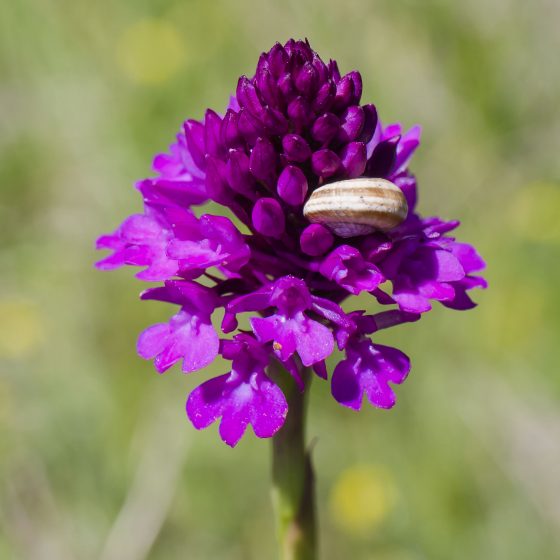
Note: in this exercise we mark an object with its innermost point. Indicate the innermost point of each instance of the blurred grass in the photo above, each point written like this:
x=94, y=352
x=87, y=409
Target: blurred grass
x=86, y=426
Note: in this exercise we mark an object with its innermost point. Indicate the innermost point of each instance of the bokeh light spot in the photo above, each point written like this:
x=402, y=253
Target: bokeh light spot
x=150, y=51
x=361, y=498
x=20, y=328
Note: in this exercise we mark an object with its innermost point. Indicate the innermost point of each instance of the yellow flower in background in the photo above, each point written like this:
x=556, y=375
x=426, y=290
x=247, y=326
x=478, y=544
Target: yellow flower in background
x=20, y=328
x=150, y=51
x=361, y=498
x=534, y=212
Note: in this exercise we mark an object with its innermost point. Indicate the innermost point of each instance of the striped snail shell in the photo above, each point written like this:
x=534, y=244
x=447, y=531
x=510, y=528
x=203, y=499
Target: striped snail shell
x=357, y=206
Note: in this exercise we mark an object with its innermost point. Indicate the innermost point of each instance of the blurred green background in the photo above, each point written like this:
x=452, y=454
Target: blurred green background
x=97, y=459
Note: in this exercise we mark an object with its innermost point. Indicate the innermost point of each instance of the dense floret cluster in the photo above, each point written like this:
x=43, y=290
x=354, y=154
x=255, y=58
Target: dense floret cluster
x=294, y=126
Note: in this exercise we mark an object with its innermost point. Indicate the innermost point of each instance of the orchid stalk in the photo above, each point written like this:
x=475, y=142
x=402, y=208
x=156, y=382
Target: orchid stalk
x=293, y=482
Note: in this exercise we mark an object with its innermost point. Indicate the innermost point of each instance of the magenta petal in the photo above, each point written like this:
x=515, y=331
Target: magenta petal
x=369, y=368
x=408, y=143
x=346, y=267
x=460, y=302
x=152, y=341
x=448, y=267
x=203, y=404
x=388, y=365
x=345, y=386
x=193, y=254
x=202, y=348
x=272, y=329
x=370, y=123
x=470, y=260
x=270, y=409
x=254, y=301
x=315, y=342
x=436, y=290
x=239, y=401
x=266, y=329
x=320, y=368
x=188, y=337
x=382, y=160
x=413, y=303
x=141, y=240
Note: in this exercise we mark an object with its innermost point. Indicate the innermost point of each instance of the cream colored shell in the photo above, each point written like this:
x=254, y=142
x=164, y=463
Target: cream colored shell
x=357, y=206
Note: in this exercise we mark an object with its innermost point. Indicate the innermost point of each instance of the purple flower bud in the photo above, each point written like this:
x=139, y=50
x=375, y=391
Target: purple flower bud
x=277, y=60
x=247, y=96
x=249, y=126
x=212, y=134
x=274, y=121
x=286, y=86
x=299, y=113
x=353, y=157
x=238, y=175
x=335, y=72
x=325, y=163
x=194, y=132
x=383, y=158
x=352, y=123
x=268, y=217
x=216, y=180
x=267, y=87
x=325, y=128
x=306, y=79
x=324, y=98
x=370, y=122
x=230, y=134
x=292, y=185
x=295, y=148
x=356, y=78
x=316, y=240
x=262, y=162
x=320, y=68
x=344, y=93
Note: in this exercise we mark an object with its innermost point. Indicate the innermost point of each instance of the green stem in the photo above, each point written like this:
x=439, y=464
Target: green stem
x=293, y=488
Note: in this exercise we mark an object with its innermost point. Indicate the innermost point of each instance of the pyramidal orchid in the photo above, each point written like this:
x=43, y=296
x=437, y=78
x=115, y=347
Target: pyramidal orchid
x=295, y=125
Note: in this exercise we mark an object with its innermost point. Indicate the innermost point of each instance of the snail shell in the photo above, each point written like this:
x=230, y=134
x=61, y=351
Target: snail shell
x=357, y=206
